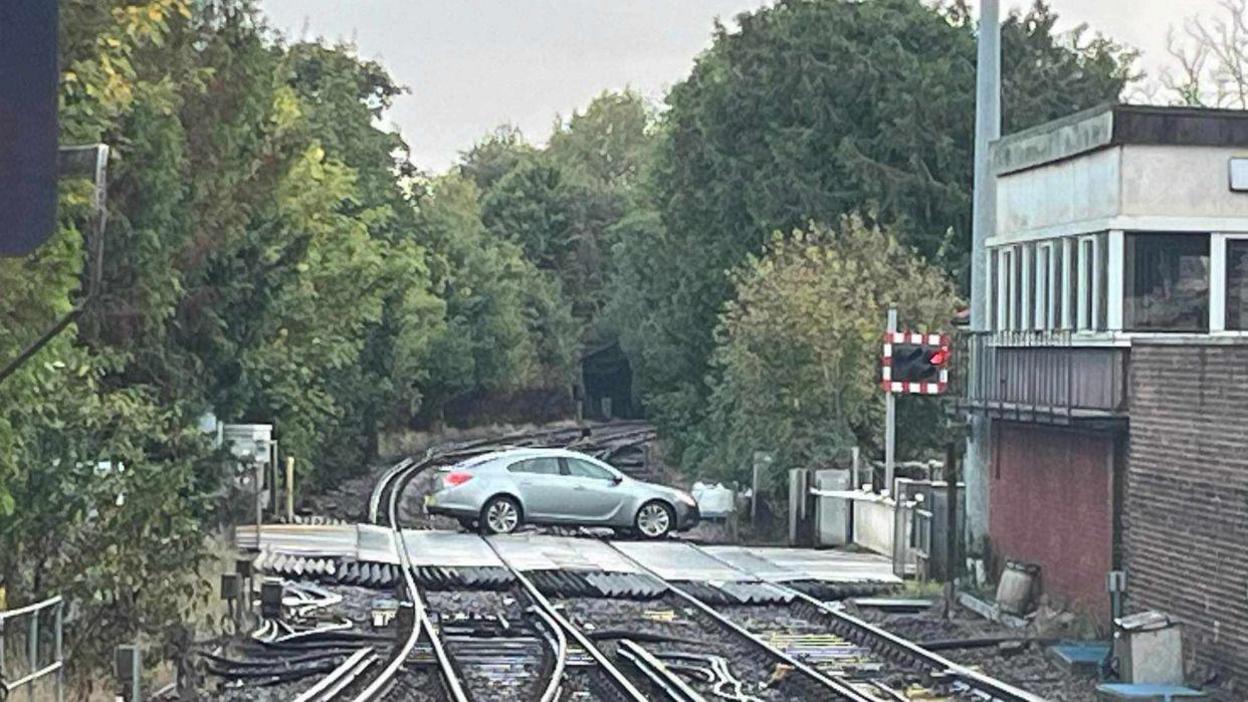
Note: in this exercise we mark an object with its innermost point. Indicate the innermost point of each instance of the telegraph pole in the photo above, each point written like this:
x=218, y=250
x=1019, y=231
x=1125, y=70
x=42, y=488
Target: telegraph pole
x=987, y=129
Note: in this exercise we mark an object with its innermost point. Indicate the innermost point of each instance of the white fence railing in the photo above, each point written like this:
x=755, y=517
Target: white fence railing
x=40, y=664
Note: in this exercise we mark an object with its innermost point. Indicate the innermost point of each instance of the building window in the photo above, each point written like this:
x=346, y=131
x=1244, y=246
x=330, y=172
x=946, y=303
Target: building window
x=1003, y=289
x=1026, y=286
x=1070, y=278
x=1100, y=287
x=1085, y=294
x=1088, y=283
x=1056, y=280
x=1237, y=284
x=1166, y=284
x=1012, y=277
x=1044, y=275
x=994, y=285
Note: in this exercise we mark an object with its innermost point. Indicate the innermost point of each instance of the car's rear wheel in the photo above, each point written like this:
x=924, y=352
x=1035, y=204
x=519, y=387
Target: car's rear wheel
x=654, y=520
x=501, y=515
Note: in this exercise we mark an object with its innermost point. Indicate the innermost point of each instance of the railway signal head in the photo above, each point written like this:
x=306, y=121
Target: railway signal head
x=915, y=363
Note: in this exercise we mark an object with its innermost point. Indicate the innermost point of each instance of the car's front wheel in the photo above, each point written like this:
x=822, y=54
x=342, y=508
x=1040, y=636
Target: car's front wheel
x=501, y=515
x=654, y=520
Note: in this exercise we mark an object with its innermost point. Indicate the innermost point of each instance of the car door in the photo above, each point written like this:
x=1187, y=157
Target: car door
x=541, y=486
x=596, y=495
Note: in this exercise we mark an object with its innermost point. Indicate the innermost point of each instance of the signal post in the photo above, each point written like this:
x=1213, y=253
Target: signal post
x=911, y=364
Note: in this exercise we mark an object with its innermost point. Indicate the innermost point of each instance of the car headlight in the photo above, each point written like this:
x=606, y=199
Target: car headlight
x=687, y=499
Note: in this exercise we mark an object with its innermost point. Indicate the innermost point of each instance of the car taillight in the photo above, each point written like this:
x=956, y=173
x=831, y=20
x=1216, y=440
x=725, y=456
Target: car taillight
x=454, y=479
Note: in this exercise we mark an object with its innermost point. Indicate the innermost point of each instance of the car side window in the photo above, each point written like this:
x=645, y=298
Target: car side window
x=585, y=469
x=540, y=466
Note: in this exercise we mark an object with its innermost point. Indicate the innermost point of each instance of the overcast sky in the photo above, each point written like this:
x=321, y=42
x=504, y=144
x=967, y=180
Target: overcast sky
x=474, y=64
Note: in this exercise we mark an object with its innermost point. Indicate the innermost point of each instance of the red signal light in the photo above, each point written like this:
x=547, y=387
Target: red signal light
x=458, y=478
x=939, y=358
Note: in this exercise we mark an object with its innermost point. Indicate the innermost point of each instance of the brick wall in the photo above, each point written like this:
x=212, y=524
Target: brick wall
x=1050, y=504
x=1186, y=511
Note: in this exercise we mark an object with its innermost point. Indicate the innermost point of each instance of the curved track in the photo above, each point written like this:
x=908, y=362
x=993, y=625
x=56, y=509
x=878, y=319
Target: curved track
x=574, y=662
x=390, y=488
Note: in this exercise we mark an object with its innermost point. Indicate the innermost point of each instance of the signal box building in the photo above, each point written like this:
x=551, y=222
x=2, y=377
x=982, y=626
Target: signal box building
x=1115, y=373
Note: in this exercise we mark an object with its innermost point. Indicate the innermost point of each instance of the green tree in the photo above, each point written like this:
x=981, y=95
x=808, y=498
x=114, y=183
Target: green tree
x=797, y=365
x=608, y=146
x=562, y=204
x=810, y=111
x=262, y=261
x=495, y=156
x=507, y=324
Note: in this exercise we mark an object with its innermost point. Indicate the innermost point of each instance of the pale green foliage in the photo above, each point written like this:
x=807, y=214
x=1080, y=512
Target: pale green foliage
x=797, y=359
x=107, y=505
x=606, y=146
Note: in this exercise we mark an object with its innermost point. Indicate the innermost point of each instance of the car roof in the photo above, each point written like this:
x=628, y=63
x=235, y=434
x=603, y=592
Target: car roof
x=516, y=454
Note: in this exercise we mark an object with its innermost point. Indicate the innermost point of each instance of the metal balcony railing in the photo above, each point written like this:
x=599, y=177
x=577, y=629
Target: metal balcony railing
x=1038, y=376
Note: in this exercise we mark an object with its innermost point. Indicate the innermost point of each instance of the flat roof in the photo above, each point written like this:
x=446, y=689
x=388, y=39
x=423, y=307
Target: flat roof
x=1113, y=124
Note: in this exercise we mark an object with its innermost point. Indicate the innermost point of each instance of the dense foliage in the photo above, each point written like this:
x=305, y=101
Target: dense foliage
x=810, y=111
x=273, y=256
x=797, y=349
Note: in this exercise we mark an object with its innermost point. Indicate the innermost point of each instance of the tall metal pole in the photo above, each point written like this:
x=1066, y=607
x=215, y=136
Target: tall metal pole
x=987, y=129
x=890, y=420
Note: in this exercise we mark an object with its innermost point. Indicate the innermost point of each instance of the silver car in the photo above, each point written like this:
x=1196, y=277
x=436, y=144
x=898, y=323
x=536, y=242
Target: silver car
x=500, y=491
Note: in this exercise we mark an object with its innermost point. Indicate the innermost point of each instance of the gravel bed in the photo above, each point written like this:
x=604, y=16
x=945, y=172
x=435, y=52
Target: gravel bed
x=698, y=633
x=584, y=684
x=457, y=610
x=1030, y=669
x=274, y=693
x=834, y=656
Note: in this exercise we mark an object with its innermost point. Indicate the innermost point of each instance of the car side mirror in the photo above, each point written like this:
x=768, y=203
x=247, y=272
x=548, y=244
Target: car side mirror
x=617, y=479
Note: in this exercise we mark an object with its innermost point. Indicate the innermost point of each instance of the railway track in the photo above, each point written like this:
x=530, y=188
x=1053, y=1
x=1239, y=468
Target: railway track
x=597, y=676
x=529, y=641
x=889, y=648
x=415, y=619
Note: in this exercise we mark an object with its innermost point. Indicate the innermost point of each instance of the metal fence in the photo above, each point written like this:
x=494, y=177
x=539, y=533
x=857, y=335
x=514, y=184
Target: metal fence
x=43, y=659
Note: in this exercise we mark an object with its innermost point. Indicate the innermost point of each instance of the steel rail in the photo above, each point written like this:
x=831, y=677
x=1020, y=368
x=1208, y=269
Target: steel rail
x=839, y=687
x=560, y=642
x=394, y=479
x=324, y=688
x=998, y=690
x=849, y=624
x=658, y=673
x=374, y=500
x=618, y=679
x=357, y=670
